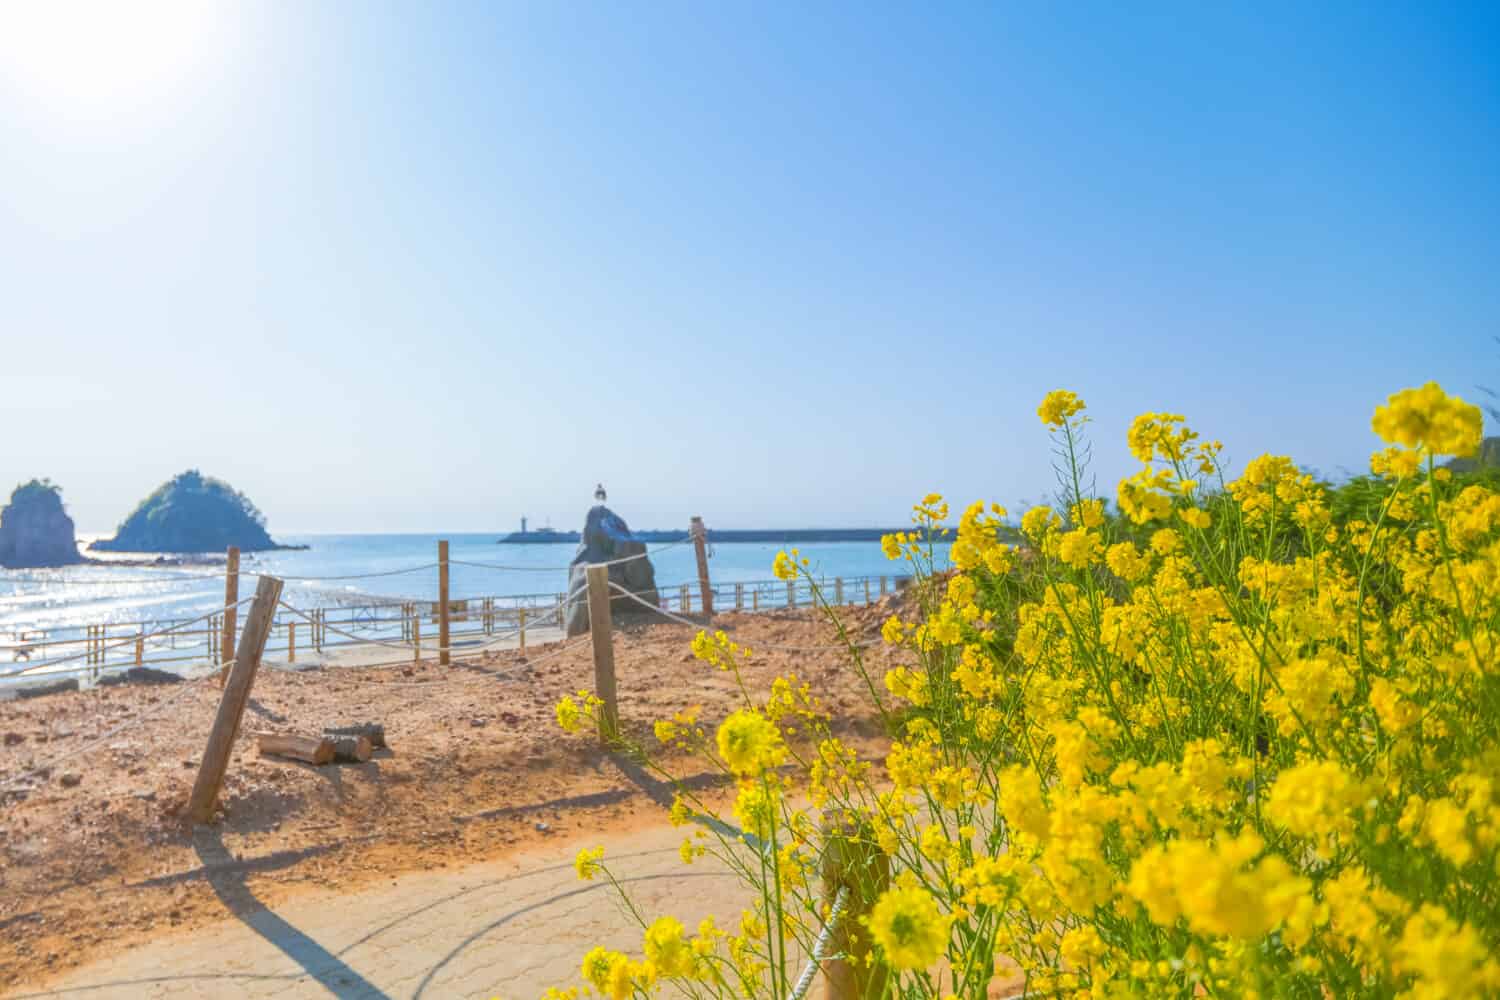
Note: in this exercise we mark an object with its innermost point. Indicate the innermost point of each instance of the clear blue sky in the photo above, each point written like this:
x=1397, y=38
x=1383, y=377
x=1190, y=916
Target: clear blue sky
x=430, y=267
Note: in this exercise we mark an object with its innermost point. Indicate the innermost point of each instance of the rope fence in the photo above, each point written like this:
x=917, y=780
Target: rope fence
x=679, y=620
x=820, y=946
x=188, y=685
x=34, y=668
x=392, y=624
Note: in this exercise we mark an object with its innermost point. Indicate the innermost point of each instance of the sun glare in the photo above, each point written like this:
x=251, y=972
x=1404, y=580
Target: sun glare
x=90, y=56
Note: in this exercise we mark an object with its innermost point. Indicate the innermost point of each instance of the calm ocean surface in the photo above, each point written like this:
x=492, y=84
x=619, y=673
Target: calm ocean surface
x=72, y=599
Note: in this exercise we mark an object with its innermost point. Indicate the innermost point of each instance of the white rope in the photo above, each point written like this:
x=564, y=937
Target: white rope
x=759, y=645
x=101, y=650
x=290, y=577
x=820, y=946
x=366, y=640
x=511, y=569
x=159, y=708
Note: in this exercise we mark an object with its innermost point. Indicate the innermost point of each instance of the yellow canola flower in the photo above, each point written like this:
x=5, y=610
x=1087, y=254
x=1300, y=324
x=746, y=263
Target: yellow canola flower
x=1158, y=435
x=1127, y=562
x=1318, y=800
x=1430, y=419
x=890, y=545
x=1079, y=548
x=1145, y=496
x=785, y=567
x=667, y=949
x=756, y=808
x=597, y=965
x=910, y=929
x=572, y=712
x=1214, y=886
x=1037, y=521
x=1447, y=960
x=1076, y=752
x=568, y=715
x=588, y=863
x=1395, y=463
x=1197, y=517
x=750, y=743
x=1058, y=406
x=1088, y=513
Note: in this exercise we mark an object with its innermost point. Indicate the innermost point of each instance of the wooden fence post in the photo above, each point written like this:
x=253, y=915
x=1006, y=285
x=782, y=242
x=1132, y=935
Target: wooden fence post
x=882, y=586
x=867, y=591
x=601, y=637
x=140, y=649
x=231, y=609
x=838, y=590
x=739, y=597
x=685, y=599
x=852, y=861
x=232, y=705
x=291, y=642
x=700, y=548
x=416, y=638
x=791, y=593
x=443, y=603
x=523, y=629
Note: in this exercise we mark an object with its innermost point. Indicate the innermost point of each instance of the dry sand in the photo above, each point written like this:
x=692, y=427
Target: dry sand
x=97, y=858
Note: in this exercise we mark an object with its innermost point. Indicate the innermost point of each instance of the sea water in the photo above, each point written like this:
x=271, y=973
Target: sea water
x=377, y=569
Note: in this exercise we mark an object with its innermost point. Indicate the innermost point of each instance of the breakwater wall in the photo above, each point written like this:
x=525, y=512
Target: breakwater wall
x=724, y=536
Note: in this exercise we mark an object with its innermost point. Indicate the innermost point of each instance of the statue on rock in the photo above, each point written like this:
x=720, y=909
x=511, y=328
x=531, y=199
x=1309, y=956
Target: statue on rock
x=607, y=539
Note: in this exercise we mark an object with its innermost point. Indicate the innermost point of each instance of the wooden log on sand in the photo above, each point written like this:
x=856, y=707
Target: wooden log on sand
x=373, y=731
x=353, y=749
x=310, y=749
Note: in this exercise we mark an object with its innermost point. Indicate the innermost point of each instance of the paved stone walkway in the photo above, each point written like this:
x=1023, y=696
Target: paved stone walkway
x=503, y=929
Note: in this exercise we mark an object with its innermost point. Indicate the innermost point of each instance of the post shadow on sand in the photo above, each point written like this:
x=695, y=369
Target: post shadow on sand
x=427, y=980
x=662, y=794
x=316, y=961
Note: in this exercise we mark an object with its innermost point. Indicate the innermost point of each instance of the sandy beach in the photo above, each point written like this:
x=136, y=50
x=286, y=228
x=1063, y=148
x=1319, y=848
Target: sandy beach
x=98, y=858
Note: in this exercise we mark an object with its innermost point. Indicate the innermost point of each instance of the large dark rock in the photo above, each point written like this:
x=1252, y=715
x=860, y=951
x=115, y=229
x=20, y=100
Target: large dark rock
x=35, y=531
x=192, y=513
x=606, y=537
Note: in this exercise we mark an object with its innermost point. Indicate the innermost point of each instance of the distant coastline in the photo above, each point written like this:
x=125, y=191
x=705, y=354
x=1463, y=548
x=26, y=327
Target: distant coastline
x=723, y=536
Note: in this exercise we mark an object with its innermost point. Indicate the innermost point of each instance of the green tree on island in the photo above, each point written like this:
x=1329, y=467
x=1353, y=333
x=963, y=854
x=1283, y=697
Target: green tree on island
x=192, y=513
x=35, y=530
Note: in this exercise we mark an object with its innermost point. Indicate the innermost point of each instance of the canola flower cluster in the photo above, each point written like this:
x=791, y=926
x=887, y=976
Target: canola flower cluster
x=1222, y=744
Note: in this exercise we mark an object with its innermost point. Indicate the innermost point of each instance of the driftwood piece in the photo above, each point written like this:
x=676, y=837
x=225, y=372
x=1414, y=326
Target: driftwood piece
x=352, y=749
x=373, y=731
x=311, y=749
